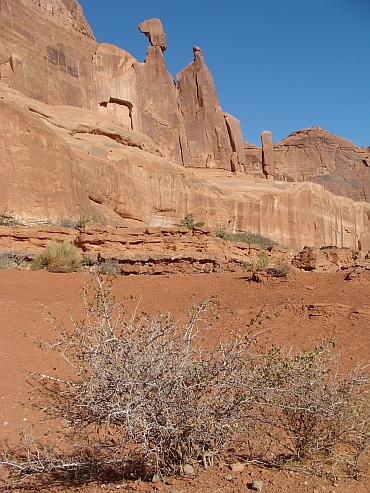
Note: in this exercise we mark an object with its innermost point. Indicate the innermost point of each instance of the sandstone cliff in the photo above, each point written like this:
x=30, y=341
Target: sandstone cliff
x=48, y=52
x=85, y=129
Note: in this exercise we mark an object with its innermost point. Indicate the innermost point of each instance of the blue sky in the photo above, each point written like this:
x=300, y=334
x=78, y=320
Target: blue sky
x=279, y=65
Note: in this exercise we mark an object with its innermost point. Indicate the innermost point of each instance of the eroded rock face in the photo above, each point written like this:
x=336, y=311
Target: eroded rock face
x=64, y=162
x=46, y=50
x=319, y=156
x=206, y=130
x=68, y=11
x=54, y=58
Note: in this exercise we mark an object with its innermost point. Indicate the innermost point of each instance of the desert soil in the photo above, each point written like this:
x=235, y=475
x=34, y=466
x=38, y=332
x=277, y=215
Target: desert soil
x=304, y=309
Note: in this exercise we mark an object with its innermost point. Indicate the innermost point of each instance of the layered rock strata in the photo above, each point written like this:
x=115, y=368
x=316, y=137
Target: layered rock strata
x=65, y=162
x=169, y=250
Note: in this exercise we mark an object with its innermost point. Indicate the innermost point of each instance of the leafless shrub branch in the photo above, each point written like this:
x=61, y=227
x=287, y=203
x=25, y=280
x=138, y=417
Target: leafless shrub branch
x=148, y=395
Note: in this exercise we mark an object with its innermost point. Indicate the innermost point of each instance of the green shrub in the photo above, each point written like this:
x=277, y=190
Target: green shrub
x=221, y=232
x=82, y=221
x=58, y=257
x=188, y=222
x=257, y=266
x=251, y=238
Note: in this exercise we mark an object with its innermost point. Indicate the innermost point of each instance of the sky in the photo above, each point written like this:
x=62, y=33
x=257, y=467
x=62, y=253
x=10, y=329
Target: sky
x=278, y=65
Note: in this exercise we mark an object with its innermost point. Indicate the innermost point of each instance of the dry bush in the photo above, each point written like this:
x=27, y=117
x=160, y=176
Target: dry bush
x=303, y=409
x=145, y=394
x=11, y=260
x=109, y=267
x=148, y=397
x=280, y=269
x=58, y=257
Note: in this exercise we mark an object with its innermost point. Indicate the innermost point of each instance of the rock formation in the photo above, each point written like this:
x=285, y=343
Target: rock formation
x=318, y=156
x=213, y=140
x=268, y=159
x=87, y=130
x=65, y=162
x=54, y=58
x=153, y=30
x=321, y=157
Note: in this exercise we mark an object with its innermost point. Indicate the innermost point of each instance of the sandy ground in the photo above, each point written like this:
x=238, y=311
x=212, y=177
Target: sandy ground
x=306, y=308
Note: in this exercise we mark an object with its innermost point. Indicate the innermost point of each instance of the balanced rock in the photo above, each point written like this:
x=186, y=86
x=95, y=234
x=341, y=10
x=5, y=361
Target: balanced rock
x=153, y=30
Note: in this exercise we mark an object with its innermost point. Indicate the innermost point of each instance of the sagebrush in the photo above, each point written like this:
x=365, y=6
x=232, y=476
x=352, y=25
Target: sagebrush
x=12, y=260
x=58, y=257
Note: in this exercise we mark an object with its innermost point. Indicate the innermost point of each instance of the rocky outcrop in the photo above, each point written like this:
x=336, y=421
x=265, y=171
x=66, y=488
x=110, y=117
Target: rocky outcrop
x=48, y=52
x=209, y=143
x=330, y=259
x=172, y=250
x=268, y=158
x=317, y=156
x=321, y=157
x=62, y=162
x=137, y=251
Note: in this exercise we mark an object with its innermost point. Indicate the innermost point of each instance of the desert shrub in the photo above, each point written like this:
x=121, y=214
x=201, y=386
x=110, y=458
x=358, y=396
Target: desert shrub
x=257, y=266
x=7, y=217
x=251, y=238
x=144, y=391
x=58, y=257
x=67, y=222
x=82, y=221
x=302, y=407
x=147, y=397
x=280, y=269
x=109, y=267
x=189, y=222
x=221, y=232
x=10, y=260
